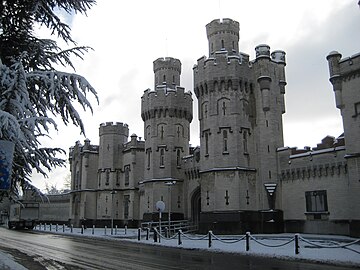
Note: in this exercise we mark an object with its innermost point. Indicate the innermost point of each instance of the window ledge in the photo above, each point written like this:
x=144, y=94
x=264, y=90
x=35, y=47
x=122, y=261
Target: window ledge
x=318, y=213
x=162, y=167
x=225, y=153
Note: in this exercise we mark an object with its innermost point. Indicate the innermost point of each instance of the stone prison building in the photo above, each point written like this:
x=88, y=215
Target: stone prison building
x=241, y=177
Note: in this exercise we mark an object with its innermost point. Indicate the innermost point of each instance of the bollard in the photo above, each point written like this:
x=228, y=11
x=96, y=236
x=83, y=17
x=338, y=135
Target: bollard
x=179, y=238
x=210, y=240
x=63, y=227
x=115, y=229
x=147, y=233
x=247, y=238
x=139, y=234
x=155, y=236
x=125, y=229
x=93, y=229
x=56, y=227
x=105, y=229
x=44, y=226
x=82, y=229
x=71, y=229
x=166, y=232
x=50, y=227
x=297, y=244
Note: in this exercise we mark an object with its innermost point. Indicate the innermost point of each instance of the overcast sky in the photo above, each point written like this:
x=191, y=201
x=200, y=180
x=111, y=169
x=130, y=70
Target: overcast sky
x=127, y=36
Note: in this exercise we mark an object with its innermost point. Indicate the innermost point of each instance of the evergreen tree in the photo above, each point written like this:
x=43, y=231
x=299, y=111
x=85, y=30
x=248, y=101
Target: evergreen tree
x=32, y=89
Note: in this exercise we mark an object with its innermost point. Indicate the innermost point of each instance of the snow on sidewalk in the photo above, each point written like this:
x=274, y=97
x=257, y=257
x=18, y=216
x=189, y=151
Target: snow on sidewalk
x=330, y=249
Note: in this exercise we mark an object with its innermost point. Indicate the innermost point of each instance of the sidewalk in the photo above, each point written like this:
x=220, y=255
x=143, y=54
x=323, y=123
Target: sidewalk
x=328, y=249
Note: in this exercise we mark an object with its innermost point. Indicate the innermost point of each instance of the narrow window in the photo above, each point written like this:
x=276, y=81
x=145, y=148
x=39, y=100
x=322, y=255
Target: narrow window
x=233, y=45
x=164, y=78
x=148, y=158
x=267, y=123
x=206, y=143
x=127, y=174
x=245, y=144
x=117, y=177
x=268, y=148
x=222, y=44
x=178, y=157
x=162, y=158
x=224, y=108
x=107, y=179
x=225, y=141
x=126, y=206
x=269, y=174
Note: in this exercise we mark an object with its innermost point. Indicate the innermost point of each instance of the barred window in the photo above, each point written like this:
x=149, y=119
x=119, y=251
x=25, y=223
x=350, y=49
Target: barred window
x=316, y=201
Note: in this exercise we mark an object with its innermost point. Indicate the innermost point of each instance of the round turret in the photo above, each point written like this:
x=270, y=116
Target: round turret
x=278, y=56
x=223, y=35
x=262, y=51
x=167, y=72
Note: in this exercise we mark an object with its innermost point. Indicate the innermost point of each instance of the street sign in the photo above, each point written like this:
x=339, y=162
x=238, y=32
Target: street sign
x=160, y=206
x=6, y=159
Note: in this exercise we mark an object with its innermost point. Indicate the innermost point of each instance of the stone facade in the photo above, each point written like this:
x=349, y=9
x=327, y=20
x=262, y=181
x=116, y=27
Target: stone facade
x=241, y=177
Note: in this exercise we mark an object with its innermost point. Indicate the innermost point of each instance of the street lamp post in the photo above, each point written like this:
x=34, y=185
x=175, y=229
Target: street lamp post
x=169, y=184
x=112, y=210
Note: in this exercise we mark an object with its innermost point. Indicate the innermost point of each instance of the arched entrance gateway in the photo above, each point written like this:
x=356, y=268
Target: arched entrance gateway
x=196, y=206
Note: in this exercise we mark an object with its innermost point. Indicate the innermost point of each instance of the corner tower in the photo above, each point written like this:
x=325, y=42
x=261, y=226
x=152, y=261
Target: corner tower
x=240, y=103
x=167, y=114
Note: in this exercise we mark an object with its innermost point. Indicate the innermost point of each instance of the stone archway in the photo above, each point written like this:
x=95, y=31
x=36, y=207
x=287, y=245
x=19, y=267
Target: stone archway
x=196, y=206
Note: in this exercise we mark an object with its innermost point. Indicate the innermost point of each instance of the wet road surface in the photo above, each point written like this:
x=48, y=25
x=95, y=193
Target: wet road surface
x=50, y=251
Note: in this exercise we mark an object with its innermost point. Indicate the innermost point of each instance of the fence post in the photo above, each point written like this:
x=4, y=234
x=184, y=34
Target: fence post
x=56, y=227
x=297, y=243
x=115, y=229
x=139, y=234
x=105, y=229
x=210, y=240
x=50, y=227
x=71, y=229
x=179, y=237
x=125, y=229
x=147, y=233
x=82, y=229
x=247, y=237
x=93, y=229
x=63, y=227
x=155, y=235
x=44, y=226
x=166, y=232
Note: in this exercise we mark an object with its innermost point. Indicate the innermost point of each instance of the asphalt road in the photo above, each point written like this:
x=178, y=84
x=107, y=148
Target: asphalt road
x=36, y=250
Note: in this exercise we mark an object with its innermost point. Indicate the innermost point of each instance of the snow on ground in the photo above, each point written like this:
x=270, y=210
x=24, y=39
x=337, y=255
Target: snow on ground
x=329, y=249
x=8, y=262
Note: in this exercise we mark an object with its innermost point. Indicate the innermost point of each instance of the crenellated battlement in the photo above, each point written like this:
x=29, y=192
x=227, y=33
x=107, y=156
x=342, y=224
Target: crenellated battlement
x=222, y=26
x=166, y=101
x=167, y=63
x=114, y=128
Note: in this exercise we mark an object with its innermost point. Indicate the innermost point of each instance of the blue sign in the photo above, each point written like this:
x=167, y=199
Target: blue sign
x=6, y=158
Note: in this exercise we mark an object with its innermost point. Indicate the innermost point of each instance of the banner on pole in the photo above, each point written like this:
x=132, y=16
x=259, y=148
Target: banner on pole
x=6, y=159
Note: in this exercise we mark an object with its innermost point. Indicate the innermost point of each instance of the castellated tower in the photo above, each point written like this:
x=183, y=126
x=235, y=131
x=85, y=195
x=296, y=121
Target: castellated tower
x=113, y=136
x=345, y=78
x=240, y=103
x=167, y=114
